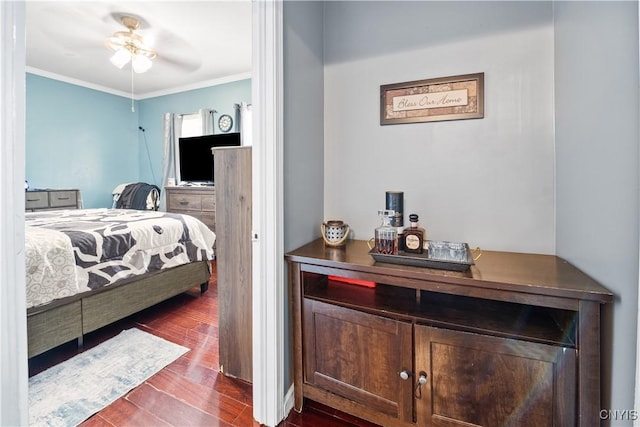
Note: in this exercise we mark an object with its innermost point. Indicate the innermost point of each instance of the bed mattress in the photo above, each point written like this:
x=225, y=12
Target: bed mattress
x=75, y=251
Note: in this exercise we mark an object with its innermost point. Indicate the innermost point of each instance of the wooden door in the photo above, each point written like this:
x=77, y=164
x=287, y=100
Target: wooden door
x=359, y=356
x=479, y=380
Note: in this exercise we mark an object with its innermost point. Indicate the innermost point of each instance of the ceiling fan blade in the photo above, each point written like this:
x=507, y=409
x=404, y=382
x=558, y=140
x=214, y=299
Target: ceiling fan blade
x=172, y=50
x=184, y=63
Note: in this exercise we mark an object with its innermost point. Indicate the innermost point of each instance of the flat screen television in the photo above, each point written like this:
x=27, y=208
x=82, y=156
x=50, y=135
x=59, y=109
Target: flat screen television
x=196, y=160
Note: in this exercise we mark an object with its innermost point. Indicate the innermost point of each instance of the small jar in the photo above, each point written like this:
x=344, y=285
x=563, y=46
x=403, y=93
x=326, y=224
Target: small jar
x=335, y=232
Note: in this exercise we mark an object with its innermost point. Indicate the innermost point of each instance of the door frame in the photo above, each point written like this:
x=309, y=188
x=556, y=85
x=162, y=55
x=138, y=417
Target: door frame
x=268, y=259
x=269, y=403
x=14, y=409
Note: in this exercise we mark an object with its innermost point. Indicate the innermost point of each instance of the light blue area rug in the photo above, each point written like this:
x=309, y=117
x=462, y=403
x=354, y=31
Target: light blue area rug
x=69, y=393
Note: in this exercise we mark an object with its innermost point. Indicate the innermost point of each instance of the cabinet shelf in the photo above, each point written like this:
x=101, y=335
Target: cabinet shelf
x=497, y=318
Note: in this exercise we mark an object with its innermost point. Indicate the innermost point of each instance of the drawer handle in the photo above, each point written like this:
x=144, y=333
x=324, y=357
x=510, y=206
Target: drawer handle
x=184, y=203
x=63, y=198
x=33, y=200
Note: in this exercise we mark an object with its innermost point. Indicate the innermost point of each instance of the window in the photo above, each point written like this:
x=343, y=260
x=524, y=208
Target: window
x=191, y=125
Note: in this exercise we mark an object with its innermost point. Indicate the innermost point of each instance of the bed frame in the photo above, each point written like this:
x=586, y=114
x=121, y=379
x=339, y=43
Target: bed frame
x=70, y=318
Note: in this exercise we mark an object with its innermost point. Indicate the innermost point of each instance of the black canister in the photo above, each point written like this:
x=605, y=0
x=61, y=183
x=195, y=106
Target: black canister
x=395, y=202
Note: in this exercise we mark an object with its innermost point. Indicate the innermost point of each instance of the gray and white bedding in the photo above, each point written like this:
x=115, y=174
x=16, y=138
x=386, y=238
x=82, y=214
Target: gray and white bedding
x=74, y=251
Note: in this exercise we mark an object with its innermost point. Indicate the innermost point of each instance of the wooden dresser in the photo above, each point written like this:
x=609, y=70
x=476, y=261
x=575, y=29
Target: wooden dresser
x=232, y=166
x=46, y=200
x=513, y=341
x=199, y=202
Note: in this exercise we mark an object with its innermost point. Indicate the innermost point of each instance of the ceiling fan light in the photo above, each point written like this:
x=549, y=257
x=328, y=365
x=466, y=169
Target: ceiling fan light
x=141, y=63
x=121, y=57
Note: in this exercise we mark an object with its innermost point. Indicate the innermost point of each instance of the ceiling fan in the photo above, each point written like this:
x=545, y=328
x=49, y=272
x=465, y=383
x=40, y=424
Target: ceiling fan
x=129, y=46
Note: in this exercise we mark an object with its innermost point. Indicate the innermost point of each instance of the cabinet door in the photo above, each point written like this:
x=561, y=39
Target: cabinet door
x=478, y=380
x=359, y=356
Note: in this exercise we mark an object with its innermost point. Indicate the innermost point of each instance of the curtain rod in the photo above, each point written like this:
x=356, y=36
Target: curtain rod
x=197, y=112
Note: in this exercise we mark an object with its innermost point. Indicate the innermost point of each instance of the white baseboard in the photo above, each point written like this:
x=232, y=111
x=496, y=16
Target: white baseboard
x=289, y=401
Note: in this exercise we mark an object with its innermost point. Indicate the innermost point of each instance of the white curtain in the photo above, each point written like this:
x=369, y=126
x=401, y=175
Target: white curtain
x=206, y=117
x=244, y=115
x=170, y=167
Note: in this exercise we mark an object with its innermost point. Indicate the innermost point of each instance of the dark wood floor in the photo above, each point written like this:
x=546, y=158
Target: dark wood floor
x=190, y=391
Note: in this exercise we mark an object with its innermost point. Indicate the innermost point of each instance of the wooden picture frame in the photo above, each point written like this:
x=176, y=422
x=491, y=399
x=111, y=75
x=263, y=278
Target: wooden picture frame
x=430, y=100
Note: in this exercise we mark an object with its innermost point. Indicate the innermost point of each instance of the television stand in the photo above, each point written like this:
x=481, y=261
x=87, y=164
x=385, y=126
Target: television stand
x=195, y=184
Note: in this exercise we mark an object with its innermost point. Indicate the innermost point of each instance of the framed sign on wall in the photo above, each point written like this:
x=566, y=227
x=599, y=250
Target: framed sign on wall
x=444, y=98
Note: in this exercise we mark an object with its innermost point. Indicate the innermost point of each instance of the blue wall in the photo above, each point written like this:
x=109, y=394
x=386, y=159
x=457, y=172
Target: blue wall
x=151, y=111
x=79, y=138
x=87, y=139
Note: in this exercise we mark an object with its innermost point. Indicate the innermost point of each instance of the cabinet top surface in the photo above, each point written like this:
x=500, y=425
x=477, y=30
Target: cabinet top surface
x=509, y=271
x=40, y=190
x=190, y=188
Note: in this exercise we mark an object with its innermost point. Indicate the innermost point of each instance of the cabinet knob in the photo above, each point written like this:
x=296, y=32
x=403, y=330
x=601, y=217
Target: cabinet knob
x=405, y=375
x=422, y=379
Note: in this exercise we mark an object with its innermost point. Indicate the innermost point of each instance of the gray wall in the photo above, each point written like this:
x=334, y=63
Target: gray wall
x=596, y=92
x=488, y=182
x=552, y=169
x=303, y=127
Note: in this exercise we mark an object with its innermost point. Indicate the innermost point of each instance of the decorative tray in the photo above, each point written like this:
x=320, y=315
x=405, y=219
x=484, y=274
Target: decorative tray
x=437, y=254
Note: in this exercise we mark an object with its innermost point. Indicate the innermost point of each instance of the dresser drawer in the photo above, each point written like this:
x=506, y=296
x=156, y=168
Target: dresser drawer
x=36, y=199
x=209, y=202
x=209, y=219
x=60, y=199
x=185, y=202
x=199, y=202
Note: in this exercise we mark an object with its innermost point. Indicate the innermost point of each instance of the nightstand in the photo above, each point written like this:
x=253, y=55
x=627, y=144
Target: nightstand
x=48, y=199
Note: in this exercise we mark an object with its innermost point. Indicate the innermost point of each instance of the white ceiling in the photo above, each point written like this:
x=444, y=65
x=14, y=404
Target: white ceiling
x=199, y=43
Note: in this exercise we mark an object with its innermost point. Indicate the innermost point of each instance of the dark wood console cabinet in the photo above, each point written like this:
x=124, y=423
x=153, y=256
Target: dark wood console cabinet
x=513, y=341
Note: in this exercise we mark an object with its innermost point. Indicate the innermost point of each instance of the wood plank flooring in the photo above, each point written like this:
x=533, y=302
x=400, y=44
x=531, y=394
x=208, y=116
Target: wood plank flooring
x=190, y=391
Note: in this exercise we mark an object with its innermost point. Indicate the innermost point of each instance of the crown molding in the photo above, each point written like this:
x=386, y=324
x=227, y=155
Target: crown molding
x=137, y=97
x=75, y=82
x=199, y=85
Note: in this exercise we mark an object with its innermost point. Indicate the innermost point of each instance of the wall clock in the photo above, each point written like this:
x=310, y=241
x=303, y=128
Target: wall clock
x=225, y=122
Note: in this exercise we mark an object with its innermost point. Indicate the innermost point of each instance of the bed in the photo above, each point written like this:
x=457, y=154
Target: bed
x=88, y=268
